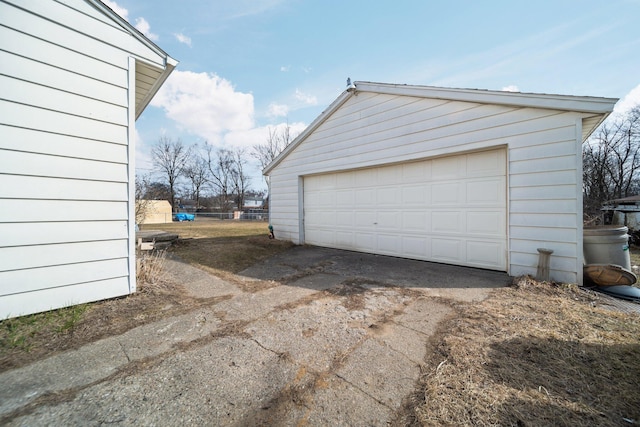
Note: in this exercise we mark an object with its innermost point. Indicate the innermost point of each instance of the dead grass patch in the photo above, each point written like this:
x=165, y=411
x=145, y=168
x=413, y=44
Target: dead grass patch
x=534, y=354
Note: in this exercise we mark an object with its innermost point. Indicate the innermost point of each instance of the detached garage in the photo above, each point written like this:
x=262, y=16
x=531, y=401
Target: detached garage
x=466, y=177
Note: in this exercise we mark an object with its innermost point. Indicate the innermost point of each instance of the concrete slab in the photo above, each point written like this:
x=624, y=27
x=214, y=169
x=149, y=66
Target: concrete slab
x=213, y=385
x=99, y=360
x=338, y=340
x=251, y=306
x=335, y=402
x=313, y=335
x=198, y=283
x=380, y=372
x=381, y=269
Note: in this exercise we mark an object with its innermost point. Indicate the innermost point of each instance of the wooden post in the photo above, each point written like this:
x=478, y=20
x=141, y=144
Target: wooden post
x=543, y=264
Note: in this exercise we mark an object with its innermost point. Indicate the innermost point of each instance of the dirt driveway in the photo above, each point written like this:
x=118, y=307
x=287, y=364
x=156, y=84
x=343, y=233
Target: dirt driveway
x=311, y=336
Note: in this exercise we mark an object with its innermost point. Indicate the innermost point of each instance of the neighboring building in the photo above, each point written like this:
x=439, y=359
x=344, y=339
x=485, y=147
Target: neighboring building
x=624, y=211
x=251, y=202
x=74, y=76
x=153, y=211
x=467, y=177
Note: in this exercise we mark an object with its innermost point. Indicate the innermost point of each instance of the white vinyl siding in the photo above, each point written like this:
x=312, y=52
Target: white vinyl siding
x=372, y=129
x=66, y=122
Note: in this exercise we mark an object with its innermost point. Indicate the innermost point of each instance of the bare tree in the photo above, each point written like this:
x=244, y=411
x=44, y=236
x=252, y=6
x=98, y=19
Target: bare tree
x=170, y=158
x=141, y=202
x=611, y=161
x=239, y=177
x=276, y=142
x=220, y=165
x=197, y=172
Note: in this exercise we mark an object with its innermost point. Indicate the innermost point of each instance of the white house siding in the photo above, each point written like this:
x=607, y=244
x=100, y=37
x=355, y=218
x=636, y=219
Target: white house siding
x=544, y=195
x=65, y=169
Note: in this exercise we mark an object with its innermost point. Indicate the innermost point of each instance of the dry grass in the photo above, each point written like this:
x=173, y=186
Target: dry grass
x=535, y=354
x=223, y=248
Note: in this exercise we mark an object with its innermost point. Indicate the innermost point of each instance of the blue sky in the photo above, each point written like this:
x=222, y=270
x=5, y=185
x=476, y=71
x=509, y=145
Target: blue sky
x=247, y=65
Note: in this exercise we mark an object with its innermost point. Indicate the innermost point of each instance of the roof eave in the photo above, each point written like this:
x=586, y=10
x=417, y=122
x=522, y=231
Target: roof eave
x=170, y=65
x=583, y=104
x=596, y=106
x=169, y=62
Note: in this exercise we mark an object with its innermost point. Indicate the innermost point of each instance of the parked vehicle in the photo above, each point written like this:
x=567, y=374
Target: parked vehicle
x=183, y=217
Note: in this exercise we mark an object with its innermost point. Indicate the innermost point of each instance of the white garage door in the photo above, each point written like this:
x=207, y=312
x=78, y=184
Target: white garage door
x=449, y=209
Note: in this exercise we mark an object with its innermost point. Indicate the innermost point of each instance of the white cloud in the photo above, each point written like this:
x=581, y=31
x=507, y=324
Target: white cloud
x=306, y=98
x=285, y=69
x=629, y=101
x=143, y=26
x=277, y=110
x=183, y=39
x=117, y=8
x=511, y=88
x=205, y=104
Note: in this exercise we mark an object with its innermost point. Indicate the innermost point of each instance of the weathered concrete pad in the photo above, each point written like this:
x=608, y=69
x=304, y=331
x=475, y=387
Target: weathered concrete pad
x=99, y=360
x=198, y=283
x=218, y=384
x=381, y=373
x=339, y=339
x=382, y=269
x=312, y=335
x=338, y=403
x=251, y=306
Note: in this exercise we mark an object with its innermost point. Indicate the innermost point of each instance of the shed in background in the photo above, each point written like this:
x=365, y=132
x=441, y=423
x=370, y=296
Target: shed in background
x=154, y=212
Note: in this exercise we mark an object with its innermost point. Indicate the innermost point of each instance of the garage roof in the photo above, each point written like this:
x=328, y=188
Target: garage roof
x=596, y=108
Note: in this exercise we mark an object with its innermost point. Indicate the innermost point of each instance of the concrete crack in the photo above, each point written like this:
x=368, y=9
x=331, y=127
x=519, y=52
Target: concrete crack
x=124, y=351
x=364, y=392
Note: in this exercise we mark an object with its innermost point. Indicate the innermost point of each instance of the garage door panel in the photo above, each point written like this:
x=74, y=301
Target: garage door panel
x=417, y=172
x=365, y=241
x=389, y=244
x=344, y=199
x=389, y=175
x=327, y=199
x=345, y=180
x=415, y=246
x=415, y=221
x=389, y=220
x=486, y=191
x=344, y=239
x=366, y=199
x=448, y=168
x=344, y=219
x=447, y=250
x=489, y=223
x=450, y=210
x=415, y=195
x=486, y=163
x=447, y=193
x=447, y=222
x=484, y=254
x=389, y=196
x=366, y=178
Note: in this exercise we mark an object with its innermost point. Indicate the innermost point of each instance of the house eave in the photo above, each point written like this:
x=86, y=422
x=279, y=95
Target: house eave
x=169, y=62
